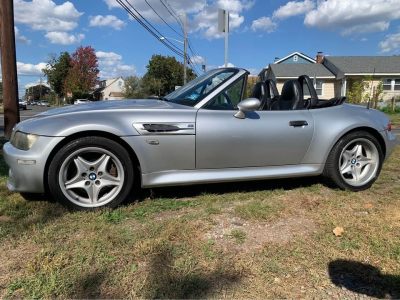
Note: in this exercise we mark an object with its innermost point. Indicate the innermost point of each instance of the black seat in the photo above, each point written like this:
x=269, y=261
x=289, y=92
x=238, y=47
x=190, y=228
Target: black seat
x=313, y=100
x=260, y=92
x=291, y=97
x=272, y=95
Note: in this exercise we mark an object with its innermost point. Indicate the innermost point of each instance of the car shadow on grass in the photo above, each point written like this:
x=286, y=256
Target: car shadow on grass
x=165, y=281
x=191, y=191
x=364, y=279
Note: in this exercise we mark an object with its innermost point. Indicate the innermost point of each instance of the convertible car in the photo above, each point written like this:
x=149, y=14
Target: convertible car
x=89, y=155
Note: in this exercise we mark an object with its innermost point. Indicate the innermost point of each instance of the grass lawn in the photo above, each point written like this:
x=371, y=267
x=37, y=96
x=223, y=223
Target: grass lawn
x=265, y=239
x=395, y=120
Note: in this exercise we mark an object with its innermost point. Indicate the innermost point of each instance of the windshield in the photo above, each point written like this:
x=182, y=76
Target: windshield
x=193, y=92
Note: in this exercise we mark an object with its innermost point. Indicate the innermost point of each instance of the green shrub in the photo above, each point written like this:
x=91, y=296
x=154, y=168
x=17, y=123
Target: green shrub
x=388, y=109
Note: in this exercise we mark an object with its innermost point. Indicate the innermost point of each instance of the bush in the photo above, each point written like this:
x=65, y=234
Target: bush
x=389, y=110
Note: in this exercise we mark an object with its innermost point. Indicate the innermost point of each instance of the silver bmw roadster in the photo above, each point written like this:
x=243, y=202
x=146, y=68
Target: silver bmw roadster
x=89, y=155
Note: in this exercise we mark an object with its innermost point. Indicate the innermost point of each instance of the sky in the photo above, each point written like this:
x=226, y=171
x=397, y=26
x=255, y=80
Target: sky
x=260, y=30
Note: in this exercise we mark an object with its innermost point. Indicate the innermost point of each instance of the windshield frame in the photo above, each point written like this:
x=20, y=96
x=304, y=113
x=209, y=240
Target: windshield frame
x=199, y=82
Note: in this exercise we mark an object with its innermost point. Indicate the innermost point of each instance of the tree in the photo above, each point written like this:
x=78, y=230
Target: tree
x=37, y=92
x=163, y=74
x=83, y=75
x=57, y=71
x=133, y=88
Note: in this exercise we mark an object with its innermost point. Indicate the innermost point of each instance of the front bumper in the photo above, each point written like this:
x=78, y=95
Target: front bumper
x=29, y=178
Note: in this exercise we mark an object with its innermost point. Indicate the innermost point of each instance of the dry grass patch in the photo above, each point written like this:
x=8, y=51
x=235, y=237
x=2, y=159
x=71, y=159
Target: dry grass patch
x=265, y=239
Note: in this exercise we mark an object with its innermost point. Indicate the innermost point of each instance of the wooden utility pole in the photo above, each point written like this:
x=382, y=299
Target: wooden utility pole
x=9, y=67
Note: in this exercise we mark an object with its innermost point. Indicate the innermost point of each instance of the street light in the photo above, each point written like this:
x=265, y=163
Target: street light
x=168, y=38
x=184, y=48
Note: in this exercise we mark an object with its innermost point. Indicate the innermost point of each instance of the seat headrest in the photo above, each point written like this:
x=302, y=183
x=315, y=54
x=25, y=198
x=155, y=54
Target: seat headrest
x=292, y=95
x=259, y=91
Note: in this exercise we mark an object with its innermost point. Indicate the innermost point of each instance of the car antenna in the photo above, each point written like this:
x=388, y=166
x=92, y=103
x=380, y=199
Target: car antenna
x=369, y=100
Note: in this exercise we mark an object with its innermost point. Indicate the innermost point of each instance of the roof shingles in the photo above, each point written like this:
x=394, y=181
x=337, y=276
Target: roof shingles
x=366, y=64
x=296, y=70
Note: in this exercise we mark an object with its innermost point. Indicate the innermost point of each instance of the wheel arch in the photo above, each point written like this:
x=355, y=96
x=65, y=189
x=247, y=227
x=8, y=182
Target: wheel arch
x=82, y=134
x=375, y=133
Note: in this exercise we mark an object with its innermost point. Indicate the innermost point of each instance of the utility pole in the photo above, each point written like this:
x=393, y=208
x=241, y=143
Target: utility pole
x=223, y=26
x=205, y=66
x=9, y=67
x=226, y=37
x=40, y=89
x=185, y=51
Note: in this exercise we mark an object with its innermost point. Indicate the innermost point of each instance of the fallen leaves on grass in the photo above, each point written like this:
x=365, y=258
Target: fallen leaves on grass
x=338, y=231
x=368, y=205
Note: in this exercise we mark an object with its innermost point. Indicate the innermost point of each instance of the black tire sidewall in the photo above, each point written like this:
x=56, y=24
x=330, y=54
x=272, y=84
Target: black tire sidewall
x=100, y=142
x=337, y=151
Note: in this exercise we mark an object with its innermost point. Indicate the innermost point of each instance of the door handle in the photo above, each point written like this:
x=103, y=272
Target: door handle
x=298, y=123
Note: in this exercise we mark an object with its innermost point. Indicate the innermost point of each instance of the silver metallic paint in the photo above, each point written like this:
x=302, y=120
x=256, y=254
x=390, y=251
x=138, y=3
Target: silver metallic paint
x=29, y=178
x=223, y=148
x=186, y=177
x=264, y=138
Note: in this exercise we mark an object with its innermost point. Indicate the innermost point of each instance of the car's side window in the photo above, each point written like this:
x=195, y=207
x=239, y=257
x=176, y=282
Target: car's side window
x=228, y=99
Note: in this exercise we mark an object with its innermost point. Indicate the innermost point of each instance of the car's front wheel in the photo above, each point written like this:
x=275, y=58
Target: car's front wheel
x=91, y=172
x=355, y=162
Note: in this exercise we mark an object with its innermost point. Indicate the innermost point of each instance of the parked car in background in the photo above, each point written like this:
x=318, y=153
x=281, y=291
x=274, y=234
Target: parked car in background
x=35, y=102
x=22, y=104
x=80, y=101
x=45, y=103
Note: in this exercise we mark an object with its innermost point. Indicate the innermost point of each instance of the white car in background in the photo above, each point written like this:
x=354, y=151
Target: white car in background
x=80, y=101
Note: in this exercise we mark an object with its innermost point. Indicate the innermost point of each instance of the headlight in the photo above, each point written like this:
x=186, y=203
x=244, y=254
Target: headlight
x=23, y=141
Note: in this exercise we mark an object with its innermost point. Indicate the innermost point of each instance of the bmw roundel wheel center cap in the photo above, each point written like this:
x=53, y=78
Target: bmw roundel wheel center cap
x=92, y=176
x=353, y=161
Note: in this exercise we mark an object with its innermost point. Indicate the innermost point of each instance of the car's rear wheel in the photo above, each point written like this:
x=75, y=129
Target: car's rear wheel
x=91, y=172
x=355, y=162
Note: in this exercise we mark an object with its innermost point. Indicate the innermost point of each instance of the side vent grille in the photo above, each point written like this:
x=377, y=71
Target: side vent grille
x=160, y=128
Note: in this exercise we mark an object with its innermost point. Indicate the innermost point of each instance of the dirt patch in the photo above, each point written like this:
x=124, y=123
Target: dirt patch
x=257, y=234
x=13, y=261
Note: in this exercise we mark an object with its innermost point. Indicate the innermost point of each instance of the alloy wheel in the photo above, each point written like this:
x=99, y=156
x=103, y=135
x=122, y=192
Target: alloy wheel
x=91, y=177
x=358, y=162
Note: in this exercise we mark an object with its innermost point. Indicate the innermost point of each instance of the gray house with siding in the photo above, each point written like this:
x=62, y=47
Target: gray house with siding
x=335, y=75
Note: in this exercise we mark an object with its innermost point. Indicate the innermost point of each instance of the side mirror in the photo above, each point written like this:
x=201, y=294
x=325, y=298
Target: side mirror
x=250, y=104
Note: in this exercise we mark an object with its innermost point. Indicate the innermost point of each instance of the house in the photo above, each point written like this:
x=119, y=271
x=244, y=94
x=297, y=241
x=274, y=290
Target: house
x=349, y=69
x=335, y=75
x=109, y=89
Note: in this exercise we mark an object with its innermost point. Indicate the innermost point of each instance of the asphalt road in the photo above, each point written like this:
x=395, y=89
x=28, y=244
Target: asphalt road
x=24, y=114
x=34, y=110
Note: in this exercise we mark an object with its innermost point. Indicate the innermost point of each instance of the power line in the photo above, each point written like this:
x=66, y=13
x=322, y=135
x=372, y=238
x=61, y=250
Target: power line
x=163, y=19
x=161, y=35
x=148, y=29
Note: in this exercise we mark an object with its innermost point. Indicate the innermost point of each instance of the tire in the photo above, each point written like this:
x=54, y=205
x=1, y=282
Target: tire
x=354, y=163
x=90, y=173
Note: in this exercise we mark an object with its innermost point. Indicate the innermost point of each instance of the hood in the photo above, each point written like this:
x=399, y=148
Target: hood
x=114, y=116
x=110, y=105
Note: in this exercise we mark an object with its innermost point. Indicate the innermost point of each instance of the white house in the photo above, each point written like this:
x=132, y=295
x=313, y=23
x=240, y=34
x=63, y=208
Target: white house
x=109, y=89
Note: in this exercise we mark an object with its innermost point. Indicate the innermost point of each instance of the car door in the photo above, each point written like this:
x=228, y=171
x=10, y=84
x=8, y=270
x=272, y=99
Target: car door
x=263, y=138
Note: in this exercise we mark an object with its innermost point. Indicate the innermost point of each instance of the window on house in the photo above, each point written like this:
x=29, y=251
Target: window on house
x=119, y=83
x=319, y=88
x=387, y=85
x=391, y=84
x=295, y=58
x=397, y=84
